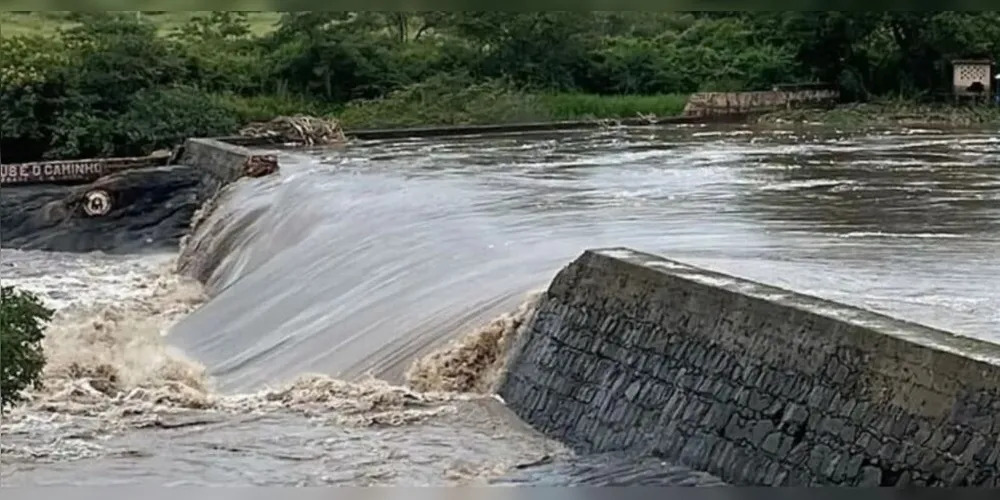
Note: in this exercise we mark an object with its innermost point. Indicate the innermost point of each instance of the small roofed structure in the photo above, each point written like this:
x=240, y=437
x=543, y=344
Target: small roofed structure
x=972, y=78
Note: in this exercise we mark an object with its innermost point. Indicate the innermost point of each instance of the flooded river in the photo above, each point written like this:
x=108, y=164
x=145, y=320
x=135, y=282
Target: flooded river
x=292, y=366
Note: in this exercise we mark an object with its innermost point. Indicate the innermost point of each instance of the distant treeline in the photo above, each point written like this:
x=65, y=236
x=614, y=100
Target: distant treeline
x=115, y=84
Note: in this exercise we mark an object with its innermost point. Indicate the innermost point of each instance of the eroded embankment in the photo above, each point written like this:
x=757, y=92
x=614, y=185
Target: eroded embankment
x=760, y=386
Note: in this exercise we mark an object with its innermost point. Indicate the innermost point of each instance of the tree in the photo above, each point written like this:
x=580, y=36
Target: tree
x=542, y=49
x=22, y=320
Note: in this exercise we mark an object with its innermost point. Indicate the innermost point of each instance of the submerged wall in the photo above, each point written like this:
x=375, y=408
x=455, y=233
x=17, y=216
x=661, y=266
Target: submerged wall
x=760, y=386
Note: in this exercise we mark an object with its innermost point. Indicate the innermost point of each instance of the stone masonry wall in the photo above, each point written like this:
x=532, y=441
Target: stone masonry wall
x=760, y=386
x=709, y=104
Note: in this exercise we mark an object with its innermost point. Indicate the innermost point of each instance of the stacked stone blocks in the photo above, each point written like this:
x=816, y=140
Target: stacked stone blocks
x=759, y=386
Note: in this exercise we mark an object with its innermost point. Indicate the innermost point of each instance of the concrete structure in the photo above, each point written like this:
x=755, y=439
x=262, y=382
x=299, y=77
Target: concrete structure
x=633, y=353
x=119, y=204
x=722, y=104
x=223, y=163
x=972, y=78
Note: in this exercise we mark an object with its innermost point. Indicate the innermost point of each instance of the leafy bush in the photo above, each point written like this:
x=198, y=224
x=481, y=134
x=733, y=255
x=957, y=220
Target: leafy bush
x=28, y=98
x=332, y=57
x=220, y=54
x=155, y=118
x=22, y=321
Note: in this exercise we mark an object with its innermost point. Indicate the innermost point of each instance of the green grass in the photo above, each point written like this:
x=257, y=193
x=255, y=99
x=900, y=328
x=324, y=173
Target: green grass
x=588, y=106
x=496, y=107
x=267, y=107
x=506, y=109
x=49, y=23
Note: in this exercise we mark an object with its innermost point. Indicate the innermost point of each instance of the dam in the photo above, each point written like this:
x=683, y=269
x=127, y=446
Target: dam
x=759, y=385
x=693, y=304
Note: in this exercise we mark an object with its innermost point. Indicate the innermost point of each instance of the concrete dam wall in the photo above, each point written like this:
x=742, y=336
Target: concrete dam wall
x=634, y=353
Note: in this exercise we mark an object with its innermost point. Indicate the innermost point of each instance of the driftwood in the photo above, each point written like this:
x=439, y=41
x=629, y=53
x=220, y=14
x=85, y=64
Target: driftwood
x=299, y=129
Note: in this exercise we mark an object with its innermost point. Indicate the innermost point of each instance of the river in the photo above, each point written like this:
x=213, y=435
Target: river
x=294, y=364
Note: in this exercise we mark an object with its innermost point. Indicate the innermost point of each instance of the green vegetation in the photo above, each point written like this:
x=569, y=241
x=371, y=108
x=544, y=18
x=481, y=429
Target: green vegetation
x=888, y=112
x=51, y=22
x=123, y=83
x=567, y=106
x=22, y=322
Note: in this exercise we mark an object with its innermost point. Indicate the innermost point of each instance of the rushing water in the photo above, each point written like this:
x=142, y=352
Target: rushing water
x=354, y=263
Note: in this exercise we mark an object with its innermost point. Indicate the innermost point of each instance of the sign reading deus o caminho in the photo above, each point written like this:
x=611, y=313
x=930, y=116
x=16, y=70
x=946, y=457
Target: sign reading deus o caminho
x=30, y=173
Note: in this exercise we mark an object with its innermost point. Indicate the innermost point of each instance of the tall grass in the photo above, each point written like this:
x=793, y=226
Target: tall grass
x=266, y=107
x=587, y=106
x=433, y=104
x=451, y=100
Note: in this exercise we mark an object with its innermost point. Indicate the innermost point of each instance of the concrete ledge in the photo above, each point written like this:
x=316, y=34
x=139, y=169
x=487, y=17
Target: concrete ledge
x=714, y=104
x=751, y=383
x=226, y=162
x=463, y=130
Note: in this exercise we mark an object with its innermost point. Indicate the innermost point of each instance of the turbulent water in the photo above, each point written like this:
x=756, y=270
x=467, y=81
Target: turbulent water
x=355, y=264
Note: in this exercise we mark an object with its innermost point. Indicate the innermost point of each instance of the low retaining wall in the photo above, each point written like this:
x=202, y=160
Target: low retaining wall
x=223, y=162
x=714, y=104
x=757, y=385
x=226, y=162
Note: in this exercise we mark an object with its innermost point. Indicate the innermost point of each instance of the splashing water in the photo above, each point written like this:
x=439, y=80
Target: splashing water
x=358, y=307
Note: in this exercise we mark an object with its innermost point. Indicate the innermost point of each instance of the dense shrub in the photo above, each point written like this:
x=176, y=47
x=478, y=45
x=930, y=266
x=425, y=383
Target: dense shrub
x=153, y=118
x=446, y=100
x=22, y=322
x=28, y=94
x=219, y=53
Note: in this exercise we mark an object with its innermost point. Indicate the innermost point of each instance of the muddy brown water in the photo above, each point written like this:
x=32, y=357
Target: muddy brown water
x=330, y=279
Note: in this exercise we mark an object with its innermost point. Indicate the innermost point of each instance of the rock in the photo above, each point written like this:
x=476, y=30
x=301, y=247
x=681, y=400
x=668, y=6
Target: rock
x=150, y=208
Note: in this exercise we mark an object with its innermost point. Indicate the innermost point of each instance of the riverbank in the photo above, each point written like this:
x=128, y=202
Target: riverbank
x=494, y=103
x=89, y=85
x=890, y=113
x=438, y=103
